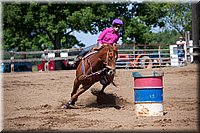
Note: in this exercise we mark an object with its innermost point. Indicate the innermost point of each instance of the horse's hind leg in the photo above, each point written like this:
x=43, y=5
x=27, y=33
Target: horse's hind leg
x=75, y=96
x=109, y=80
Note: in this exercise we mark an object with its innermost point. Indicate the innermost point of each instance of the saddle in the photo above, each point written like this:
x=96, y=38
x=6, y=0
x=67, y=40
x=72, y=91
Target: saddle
x=89, y=53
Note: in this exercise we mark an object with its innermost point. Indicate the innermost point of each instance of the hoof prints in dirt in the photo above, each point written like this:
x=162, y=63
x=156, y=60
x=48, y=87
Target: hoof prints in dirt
x=107, y=100
x=40, y=107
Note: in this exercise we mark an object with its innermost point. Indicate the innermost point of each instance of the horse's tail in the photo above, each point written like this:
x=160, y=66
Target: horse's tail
x=114, y=83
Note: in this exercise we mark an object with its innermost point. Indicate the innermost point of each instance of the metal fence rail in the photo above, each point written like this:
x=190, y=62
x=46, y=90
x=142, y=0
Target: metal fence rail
x=143, y=57
x=37, y=59
x=15, y=56
x=130, y=56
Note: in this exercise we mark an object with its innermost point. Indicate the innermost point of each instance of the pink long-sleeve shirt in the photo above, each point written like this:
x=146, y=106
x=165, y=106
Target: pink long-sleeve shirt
x=108, y=36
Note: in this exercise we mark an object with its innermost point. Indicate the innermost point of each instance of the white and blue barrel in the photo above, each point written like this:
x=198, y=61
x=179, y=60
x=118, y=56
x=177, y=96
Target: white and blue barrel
x=148, y=94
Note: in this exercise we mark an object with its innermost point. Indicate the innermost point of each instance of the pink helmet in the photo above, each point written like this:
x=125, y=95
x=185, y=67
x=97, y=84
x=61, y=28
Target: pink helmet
x=117, y=21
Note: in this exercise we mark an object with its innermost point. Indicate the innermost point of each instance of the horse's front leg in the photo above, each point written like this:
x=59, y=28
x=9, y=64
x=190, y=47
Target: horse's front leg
x=103, y=88
x=75, y=88
x=75, y=96
x=108, y=80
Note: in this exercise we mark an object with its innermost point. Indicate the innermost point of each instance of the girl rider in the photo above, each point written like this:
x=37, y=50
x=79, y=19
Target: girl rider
x=109, y=36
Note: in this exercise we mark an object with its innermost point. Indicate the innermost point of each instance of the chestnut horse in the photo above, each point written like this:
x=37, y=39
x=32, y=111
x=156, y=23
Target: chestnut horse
x=95, y=66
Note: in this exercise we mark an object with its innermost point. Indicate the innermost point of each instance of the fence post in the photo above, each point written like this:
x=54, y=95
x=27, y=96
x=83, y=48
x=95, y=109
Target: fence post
x=159, y=52
x=12, y=63
x=187, y=50
x=134, y=55
x=46, y=64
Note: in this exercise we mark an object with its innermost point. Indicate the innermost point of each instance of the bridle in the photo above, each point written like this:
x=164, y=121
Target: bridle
x=111, y=53
x=109, y=56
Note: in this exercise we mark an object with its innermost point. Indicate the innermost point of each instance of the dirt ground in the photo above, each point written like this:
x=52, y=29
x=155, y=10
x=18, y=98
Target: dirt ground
x=33, y=100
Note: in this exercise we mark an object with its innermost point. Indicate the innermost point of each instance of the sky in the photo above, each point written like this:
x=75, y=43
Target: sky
x=89, y=39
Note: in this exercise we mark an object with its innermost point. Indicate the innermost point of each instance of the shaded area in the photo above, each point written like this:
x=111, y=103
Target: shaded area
x=106, y=100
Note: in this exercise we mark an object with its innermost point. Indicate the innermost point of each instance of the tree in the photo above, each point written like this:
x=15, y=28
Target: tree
x=143, y=17
x=178, y=17
x=29, y=25
x=37, y=24
x=136, y=32
x=16, y=32
x=165, y=37
x=174, y=18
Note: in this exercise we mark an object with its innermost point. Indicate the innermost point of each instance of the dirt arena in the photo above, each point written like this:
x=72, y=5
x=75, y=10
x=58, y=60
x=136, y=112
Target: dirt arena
x=32, y=102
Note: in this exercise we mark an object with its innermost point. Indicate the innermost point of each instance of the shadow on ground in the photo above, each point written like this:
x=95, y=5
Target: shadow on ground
x=106, y=100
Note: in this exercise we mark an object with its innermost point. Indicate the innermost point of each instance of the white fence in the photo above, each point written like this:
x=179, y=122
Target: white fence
x=130, y=56
x=16, y=56
x=144, y=57
x=22, y=60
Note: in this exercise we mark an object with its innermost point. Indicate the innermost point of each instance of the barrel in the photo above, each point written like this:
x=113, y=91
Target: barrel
x=148, y=93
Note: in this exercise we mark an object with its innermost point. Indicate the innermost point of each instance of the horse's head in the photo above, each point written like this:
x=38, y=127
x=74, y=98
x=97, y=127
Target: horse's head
x=111, y=57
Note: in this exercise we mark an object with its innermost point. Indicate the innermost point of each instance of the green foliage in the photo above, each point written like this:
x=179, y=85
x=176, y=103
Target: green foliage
x=166, y=37
x=30, y=25
x=138, y=25
x=136, y=32
x=151, y=13
x=179, y=17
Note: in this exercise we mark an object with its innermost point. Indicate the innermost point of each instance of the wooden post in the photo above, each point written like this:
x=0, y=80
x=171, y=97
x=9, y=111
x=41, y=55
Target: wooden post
x=195, y=23
x=159, y=52
x=11, y=60
x=46, y=64
x=12, y=64
x=134, y=56
x=196, y=27
x=187, y=50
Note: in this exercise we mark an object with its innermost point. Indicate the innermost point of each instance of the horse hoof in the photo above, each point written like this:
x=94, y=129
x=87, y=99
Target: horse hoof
x=97, y=92
x=69, y=106
x=65, y=107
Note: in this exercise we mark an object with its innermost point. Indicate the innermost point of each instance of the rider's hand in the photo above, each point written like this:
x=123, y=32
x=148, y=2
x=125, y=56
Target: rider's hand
x=100, y=45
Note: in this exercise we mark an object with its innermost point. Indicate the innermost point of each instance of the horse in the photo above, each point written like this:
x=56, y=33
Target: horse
x=97, y=65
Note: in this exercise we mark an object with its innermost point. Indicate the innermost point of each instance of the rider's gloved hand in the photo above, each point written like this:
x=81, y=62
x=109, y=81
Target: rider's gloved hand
x=99, y=46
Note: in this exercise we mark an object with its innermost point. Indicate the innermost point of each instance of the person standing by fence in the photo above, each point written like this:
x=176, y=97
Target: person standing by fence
x=181, y=51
